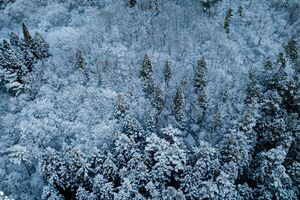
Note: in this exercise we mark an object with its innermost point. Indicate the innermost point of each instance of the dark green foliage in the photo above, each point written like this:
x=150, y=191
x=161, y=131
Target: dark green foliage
x=199, y=85
x=167, y=73
x=207, y=4
x=132, y=3
x=268, y=65
x=281, y=62
x=159, y=99
x=227, y=20
x=80, y=59
x=146, y=74
x=241, y=11
x=40, y=47
x=291, y=50
x=179, y=107
x=215, y=123
x=27, y=36
x=18, y=57
x=200, y=79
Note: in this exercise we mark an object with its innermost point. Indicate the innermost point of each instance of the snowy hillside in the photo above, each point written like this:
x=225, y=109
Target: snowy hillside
x=150, y=99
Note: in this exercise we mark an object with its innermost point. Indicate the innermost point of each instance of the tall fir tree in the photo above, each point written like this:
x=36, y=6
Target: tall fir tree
x=227, y=20
x=159, y=99
x=40, y=47
x=132, y=3
x=179, y=108
x=291, y=50
x=27, y=36
x=146, y=74
x=167, y=73
x=80, y=59
x=199, y=85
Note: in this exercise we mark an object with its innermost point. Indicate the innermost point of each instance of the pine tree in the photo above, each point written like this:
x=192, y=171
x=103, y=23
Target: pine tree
x=27, y=37
x=200, y=79
x=13, y=70
x=281, y=62
x=268, y=65
x=102, y=188
x=41, y=47
x=146, y=74
x=80, y=59
x=179, y=107
x=159, y=99
x=241, y=11
x=200, y=84
x=132, y=3
x=270, y=176
x=15, y=40
x=227, y=20
x=291, y=50
x=216, y=122
x=167, y=73
x=207, y=4
x=204, y=165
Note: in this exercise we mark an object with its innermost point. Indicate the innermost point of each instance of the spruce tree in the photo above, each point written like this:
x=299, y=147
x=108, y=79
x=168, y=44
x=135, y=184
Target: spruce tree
x=291, y=50
x=13, y=70
x=227, y=20
x=179, y=107
x=199, y=85
x=200, y=79
x=159, y=99
x=27, y=37
x=146, y=74
x=40, y=47
x=167, y=73
x=15, y=40
x=281, y=62
x=132, y=3
x=241, y=11
x=207, y=4
x=80, y=59
x=268, y=65
x=215, y=122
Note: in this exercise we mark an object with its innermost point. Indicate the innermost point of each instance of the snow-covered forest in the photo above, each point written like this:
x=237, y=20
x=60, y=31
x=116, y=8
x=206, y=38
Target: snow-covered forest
x=150, y=99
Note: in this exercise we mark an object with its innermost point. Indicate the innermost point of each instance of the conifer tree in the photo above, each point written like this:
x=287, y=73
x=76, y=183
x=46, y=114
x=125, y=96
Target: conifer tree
x=207, y=4
x=200, y=79
x=80, y=59
x=132, y=3
x=12, y=69
x=268, y=65
x=15, y=39
x=167, y=73
x=215, y=122
x=281, y=62
x=227, y=20
x=27, y=37
x=241, y=11
x=200, y=84
x=291, y=50
x=159, y=100
x=40, y=47
x=146, y=74
x=179, y=107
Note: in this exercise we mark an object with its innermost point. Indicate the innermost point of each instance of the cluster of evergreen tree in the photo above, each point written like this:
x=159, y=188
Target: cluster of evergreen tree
x=258, y=158
x=158, y=99
x=18, y=56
